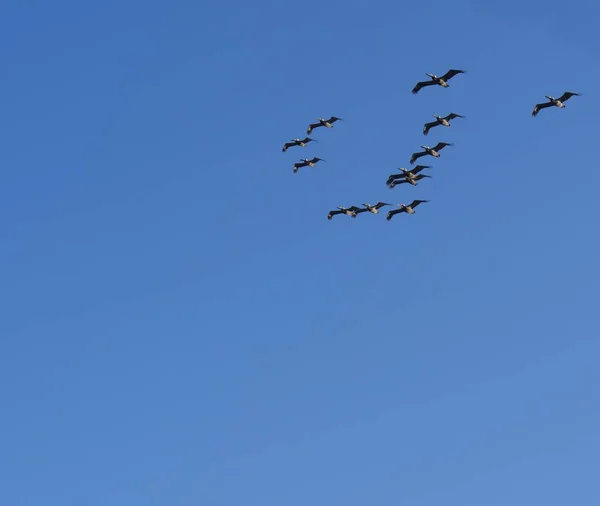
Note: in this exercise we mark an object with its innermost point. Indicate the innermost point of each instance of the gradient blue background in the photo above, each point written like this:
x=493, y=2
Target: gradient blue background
x=181, y=324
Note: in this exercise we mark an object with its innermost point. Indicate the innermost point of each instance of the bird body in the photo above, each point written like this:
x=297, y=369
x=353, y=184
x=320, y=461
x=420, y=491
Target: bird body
x=373, y=209
x=350, y=211
x=434, y=151
x=328, y=123
x=409, y=209
x=440, y=81
x=407, y=176
x=445, y=121
x=297, y=142
x=304, y=162
x=554, y=102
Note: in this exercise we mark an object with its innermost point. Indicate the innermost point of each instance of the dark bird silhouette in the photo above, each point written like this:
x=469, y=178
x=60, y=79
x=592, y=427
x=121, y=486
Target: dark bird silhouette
x=372, y=209
x=554, y=102
x=410, y=209
x=440, y=81
x=350, y=211
x=440, y=121
x=297, y=142
x=307, y=163
x=434, y=151
x=407, y=176
x=323, y=122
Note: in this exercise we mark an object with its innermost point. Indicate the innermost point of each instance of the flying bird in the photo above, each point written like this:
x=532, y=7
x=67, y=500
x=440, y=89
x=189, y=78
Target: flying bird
x=350, y=211
x=307, y=163
x=440, y=81
x=297, y=142
x=372, y=209
x=430, y=151
x=440, y=121
x=410, y=209
x=323, y=122
x=407, y=176
x=556, y=102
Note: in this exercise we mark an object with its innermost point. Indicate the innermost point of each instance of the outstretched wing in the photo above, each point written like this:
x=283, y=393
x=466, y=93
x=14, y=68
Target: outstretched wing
x=358, y=210
x=419, y=168
x=422, y=84
x=451, y=73
x=395, y=211
x=333, y=213
x=312, y=126
x=333, y=119
x=415, y=203
x=539, y=107
x=421, y=176
x=453, y=115
x=306, y=140
x=397, y=181
x=567, y=95
x=427, y=126
x=441, y=145
x=414, y=157
x=288, y=145
x=379, y=205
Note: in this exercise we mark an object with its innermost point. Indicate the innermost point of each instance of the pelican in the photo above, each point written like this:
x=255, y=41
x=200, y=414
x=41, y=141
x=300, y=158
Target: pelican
x=350, y=211
x=440, y=81
x=297, y=142
x=556, y=102
x=323, y=122
x=434, y=151
x=372, y=209
x=407, y=176
x=307, y=163
x=440, y=121
x=410, y=209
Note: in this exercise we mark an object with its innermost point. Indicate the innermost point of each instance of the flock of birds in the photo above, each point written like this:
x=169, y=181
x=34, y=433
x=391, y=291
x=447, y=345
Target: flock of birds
x=406, y=176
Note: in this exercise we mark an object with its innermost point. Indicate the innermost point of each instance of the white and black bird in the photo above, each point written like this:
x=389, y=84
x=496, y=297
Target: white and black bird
x=407, y=176
x=434, y=151
x=440, y=81
x=554, y=102
x=372, y=209
x=328, y=123
x=445, y=121
x=297, y=142
x=307, y=163
x=410, y=209
x=350, y=211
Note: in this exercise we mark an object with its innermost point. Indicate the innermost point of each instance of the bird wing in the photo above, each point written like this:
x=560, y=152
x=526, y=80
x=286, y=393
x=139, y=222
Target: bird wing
x=441, y=145
x=427, y=126
x=453, y=115
x=539, y=107
x=417, y=155
x=307, y=140
x=354, y=208
x=415, y=203
x=397, y=181
x=421, y=176
x=312, y=126
x=451, y=73
x=419, y=168
x=422, y=84
x=567, y=95
x=333, y=213
x=395, y=211
x=315, y=160
x=379, y=205
x=332, y=120
x=288, y=145
x=300, y=164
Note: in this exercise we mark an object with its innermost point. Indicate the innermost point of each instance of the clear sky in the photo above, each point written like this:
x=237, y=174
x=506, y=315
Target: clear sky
x=181, y=324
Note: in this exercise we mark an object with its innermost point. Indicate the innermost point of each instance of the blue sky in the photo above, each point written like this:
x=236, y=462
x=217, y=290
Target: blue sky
x=181, y=324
